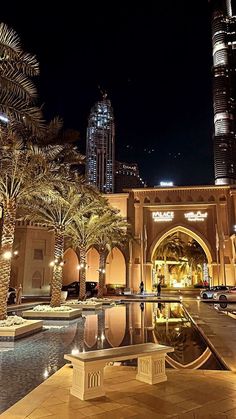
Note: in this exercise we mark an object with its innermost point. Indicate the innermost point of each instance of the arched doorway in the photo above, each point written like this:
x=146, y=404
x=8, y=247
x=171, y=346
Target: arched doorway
x=181, y=258
x=116, y=268
x=70, y=271
x=92, y=259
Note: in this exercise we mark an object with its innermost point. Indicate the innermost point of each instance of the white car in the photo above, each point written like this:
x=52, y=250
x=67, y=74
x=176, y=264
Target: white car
x=209, y=292
x=228, y=295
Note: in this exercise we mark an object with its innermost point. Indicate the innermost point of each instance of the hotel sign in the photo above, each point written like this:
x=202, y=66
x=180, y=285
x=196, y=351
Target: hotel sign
x=160, y=216
x=196, y=216
x=164, y=216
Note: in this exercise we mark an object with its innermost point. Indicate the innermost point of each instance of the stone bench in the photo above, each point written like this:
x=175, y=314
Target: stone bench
x=88, y=367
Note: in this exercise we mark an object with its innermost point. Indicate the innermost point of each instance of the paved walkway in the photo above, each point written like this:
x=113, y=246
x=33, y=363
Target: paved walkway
x=218, y=329
x=186, y=395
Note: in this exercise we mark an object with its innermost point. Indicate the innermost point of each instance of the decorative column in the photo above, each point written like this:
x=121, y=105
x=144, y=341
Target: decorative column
x=151, y=369
x=87, y=381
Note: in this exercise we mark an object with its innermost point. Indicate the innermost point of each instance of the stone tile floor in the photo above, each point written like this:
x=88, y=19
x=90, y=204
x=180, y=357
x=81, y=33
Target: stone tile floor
x=188, y=394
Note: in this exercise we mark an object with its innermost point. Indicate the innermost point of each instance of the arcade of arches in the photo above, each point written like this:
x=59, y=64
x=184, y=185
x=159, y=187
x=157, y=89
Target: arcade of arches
x=181, y=235
x=115, y=267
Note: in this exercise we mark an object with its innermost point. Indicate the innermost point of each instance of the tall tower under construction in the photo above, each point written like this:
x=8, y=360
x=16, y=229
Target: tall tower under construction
x=100, y=146
x=223, y=15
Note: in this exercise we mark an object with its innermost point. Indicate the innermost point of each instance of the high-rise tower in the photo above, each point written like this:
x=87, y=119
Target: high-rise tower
x=223, y=13
x=100, y=147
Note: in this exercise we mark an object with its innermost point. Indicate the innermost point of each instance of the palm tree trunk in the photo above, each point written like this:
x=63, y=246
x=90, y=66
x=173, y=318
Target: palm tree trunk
x=82, y=275
x=101, y=274
x=8, y=232
x=57, y=269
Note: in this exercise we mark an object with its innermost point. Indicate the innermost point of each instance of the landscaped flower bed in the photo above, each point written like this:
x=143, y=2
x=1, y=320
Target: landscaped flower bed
x=12, y=321
x=86, y=302
x=51, y=309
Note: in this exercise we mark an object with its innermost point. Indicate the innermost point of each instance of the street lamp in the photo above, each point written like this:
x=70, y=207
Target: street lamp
x=57, y=262
x=7, y=255
x=82, y=266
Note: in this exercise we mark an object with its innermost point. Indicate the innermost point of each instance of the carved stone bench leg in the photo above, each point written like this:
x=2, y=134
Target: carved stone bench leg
x=151, y=369
x=87, y=382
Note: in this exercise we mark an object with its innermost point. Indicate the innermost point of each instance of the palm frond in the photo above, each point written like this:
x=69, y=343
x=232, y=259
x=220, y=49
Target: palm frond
x=9, y=43
x=16, y=83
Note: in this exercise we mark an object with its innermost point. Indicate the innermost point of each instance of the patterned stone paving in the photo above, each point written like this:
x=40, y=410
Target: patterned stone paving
x=187, y=394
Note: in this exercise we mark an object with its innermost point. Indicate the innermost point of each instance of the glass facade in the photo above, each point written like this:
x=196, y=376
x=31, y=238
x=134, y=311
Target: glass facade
x=100, y=146
x=224, y=89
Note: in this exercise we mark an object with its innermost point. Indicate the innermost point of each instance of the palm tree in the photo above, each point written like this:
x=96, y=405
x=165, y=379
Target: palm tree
x=85, y=230
x=18, y=93
x=26, y=170
x=195, y=254
x=113, y=233
x=56, y=211
x=172, y=246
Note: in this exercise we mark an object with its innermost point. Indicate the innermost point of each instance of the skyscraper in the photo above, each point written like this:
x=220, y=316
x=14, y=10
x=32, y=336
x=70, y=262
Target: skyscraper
x=100, y=147
x=223, y=14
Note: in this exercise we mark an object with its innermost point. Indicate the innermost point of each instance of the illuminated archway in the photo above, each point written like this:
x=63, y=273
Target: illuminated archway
x=115, y=268
x=198, y=237
x=92, y=259
x=70, y=271
x=190, y=232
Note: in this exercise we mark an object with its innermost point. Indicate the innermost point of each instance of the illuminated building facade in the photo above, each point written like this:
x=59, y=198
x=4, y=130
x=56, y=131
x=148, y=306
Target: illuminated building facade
x=205, y=214
x=100, y=146
x=223, y=14
x=127, y=176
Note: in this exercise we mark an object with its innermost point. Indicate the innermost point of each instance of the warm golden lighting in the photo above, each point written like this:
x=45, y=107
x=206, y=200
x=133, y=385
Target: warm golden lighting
x=52, y=263
x=46, y=373
x=7, y=255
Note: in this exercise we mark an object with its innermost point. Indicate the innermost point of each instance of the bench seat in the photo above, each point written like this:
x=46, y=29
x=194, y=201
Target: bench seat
x=88, y=367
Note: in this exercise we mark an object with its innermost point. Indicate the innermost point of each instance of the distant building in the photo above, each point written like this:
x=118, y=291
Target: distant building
x=100, y=146
x=127, y=176
x=223, y=13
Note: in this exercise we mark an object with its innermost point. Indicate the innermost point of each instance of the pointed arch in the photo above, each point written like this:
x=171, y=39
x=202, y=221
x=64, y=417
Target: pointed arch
x=157, y=200
x=93, y=264
x=70, y=271
x=200, y=198
x=183, y=229
x=168, y=199
x=37, y=280
x=222, y=198
x=146, y=200
x=211, y=198
x=115, y=267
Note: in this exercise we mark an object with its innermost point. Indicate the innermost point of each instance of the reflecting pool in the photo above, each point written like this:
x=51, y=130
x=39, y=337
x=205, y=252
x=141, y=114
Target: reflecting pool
x=29, y=361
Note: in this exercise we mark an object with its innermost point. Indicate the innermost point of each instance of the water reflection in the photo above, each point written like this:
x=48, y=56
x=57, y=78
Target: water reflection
x=32, y=359
x=226, y=308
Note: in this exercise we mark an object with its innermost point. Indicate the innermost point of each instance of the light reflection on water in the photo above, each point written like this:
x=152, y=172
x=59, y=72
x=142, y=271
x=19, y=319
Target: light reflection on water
x=29, y=361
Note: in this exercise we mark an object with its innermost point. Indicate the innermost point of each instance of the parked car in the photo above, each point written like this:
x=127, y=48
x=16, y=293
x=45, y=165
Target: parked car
x=208, y=292
x=73, y=288
x=11, y=295
x=227, y=295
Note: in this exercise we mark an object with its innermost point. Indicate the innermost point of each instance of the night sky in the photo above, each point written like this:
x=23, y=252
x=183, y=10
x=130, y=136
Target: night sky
x=153, y=59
